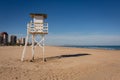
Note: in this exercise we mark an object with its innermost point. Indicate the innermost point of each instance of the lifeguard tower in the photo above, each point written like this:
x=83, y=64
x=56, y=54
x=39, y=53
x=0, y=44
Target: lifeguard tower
x=36, y=27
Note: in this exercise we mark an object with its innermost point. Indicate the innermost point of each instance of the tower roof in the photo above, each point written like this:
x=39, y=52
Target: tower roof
x=38, y=14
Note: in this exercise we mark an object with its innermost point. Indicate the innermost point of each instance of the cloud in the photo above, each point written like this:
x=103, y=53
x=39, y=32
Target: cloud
x=77, y=39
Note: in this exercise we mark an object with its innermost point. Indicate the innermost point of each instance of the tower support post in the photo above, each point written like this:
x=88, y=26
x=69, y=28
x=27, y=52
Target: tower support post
x=43, y=48
x=26, y=41
x=33, y=48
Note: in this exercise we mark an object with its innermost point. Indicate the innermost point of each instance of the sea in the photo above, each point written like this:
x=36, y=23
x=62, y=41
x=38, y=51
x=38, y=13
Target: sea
x=95, y=47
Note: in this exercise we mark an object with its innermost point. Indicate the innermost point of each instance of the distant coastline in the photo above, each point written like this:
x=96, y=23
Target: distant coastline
x=107, y=47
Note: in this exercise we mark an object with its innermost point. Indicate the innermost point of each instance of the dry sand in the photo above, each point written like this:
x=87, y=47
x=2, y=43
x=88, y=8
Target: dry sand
x=62, y=64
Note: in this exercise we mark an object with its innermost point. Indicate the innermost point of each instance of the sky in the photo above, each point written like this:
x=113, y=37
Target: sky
x=71, y=22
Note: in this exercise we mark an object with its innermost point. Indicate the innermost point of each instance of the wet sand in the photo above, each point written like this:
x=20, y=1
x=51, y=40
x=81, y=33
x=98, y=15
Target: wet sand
x=62, y=64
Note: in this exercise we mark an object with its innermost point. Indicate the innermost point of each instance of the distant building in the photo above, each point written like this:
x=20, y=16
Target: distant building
x=13, y=39
x=3, y=38
x=18, y=41
x=21, y=41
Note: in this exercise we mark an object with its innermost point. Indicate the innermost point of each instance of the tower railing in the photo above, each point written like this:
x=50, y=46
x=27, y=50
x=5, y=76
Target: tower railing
x=37, y=28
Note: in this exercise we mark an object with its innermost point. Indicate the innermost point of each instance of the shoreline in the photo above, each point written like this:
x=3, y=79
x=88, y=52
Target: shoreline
x=66, y=47
x=93, y=47
x=80, y=47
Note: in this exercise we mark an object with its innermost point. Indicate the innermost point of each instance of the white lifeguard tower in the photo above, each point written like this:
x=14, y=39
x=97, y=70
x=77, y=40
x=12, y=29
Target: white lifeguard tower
x=36, y=27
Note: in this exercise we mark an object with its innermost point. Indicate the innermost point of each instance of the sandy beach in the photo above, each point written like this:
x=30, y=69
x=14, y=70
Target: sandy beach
x=62, y=64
